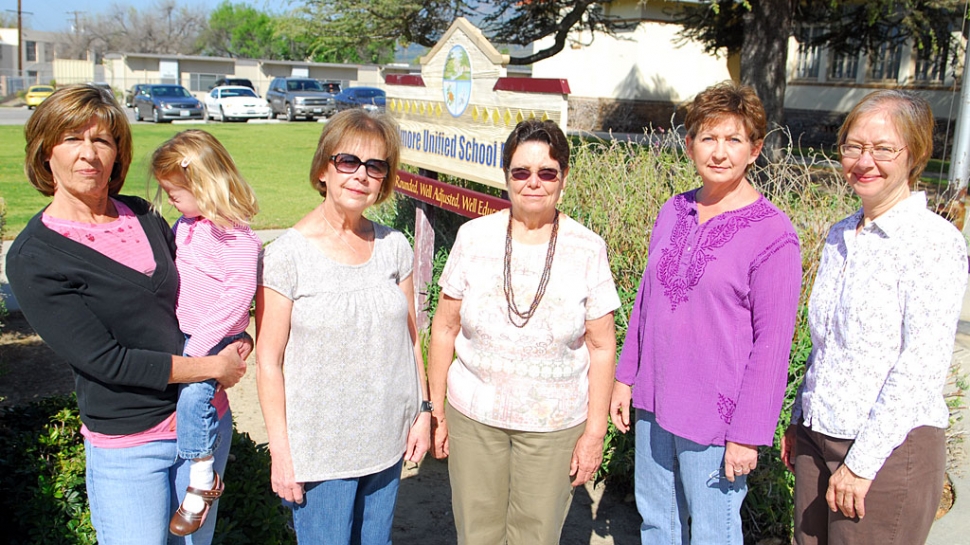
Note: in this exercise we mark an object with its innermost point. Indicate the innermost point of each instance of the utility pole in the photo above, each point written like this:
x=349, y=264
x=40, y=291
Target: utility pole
x=77, y=20
x=960, y=156
x=20, y=39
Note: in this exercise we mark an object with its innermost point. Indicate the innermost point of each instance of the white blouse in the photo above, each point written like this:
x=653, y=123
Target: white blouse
x=883, y=316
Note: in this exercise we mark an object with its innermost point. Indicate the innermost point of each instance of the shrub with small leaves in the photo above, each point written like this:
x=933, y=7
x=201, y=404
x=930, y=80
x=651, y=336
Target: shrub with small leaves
x=43, y=499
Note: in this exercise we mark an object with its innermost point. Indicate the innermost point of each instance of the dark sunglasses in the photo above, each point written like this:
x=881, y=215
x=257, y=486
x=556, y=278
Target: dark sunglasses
x=348, y=164
x=544, y=174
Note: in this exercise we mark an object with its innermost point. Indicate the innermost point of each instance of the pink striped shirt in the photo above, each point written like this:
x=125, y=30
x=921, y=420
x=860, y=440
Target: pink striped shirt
x=217, y=281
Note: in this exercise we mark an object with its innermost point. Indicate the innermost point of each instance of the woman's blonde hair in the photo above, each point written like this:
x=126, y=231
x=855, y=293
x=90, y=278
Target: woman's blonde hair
x=911, y=116
x=357, y=125
x=69, y=109
x=201, y=162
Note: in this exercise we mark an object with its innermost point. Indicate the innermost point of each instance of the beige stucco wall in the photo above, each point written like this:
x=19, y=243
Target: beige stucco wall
x=67, y=71
x=643, y=64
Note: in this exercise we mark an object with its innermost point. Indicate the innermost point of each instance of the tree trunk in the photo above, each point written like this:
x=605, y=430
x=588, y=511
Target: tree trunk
x=764, y=59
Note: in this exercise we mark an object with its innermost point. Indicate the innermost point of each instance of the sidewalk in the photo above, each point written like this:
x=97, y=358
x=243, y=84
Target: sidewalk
x=954, y=527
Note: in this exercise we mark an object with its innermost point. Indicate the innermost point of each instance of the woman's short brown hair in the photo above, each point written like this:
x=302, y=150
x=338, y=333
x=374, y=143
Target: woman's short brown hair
x=533, y=130
x=727, y=99
x=912, y=117
x=360, y=125
x=69, y=109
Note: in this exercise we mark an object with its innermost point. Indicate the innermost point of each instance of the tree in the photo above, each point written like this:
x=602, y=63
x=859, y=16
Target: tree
x=344, y=30
x=164, y=27
x=239, y=31
x=759, y=32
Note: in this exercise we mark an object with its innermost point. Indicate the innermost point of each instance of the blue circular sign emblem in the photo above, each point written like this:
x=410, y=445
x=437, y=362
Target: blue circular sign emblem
x=457, y=84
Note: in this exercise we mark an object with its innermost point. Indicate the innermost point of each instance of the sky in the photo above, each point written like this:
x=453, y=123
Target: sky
x=57, y=15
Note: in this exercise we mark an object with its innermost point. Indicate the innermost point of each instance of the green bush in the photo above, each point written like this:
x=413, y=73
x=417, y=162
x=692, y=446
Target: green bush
x=43, y=499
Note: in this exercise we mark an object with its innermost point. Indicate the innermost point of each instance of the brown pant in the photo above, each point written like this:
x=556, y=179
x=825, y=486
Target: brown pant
x=900, y=504
x=508, y=487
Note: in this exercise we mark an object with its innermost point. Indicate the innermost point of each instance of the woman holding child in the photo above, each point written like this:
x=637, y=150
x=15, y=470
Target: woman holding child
x=95, y=276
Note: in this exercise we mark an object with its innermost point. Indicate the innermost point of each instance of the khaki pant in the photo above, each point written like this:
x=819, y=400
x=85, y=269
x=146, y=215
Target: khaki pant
x=900, y=504
x=508, y=486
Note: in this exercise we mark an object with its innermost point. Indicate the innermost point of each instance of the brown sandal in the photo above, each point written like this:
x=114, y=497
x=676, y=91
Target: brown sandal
x=183, y=522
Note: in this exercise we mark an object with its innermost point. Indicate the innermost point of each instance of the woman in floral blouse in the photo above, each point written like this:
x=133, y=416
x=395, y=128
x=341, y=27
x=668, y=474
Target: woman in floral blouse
x=523, y=344
x=867, y=436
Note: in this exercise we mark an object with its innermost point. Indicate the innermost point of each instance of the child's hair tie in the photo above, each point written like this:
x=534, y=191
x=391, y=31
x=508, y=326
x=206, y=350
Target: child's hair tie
x=185, y=162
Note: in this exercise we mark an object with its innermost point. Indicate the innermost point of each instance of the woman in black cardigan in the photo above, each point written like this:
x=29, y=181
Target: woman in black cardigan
x=94, y=275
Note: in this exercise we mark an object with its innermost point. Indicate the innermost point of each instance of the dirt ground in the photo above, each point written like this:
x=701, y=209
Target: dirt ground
x=29, y=370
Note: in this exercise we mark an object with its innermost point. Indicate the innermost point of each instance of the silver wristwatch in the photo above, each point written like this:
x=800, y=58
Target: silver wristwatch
x=426, y=406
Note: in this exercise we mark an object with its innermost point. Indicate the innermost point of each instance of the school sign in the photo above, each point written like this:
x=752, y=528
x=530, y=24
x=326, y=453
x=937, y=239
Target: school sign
x=456, y=115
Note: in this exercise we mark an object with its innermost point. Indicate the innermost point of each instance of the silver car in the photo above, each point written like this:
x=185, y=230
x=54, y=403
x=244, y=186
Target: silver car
x=166, y=103
x=300, y=97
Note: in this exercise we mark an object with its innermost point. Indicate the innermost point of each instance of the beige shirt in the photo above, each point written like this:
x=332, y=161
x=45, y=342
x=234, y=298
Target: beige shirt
x=351, y=382
x=533, y=378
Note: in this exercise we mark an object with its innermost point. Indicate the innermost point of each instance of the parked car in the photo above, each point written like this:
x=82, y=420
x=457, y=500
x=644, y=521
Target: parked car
x=36, y=94
x=332, y=87
x=105, y=88
x=368, y=98
x=235, y=102
x=167, y=102
x=223, y=81
x=135, y=90
x=299, y=97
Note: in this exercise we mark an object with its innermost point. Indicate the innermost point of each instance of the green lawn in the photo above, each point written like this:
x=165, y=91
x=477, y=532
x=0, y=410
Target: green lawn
x=274, y=158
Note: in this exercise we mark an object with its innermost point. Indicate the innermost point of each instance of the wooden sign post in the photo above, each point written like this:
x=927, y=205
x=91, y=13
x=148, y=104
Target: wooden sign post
x=455, y=117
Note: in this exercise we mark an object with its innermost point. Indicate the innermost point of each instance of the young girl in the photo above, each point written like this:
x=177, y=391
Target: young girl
x=216, y=260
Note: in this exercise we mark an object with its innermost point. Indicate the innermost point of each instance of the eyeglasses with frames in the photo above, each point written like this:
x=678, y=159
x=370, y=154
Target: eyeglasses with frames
x=878, y=153
x=544, y=174
x=349, y=164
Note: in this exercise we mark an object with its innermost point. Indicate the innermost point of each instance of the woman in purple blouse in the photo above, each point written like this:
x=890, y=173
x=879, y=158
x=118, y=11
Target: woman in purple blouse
x=705, y=360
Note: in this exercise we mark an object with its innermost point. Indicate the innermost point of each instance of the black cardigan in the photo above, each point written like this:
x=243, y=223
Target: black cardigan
x=115, y=326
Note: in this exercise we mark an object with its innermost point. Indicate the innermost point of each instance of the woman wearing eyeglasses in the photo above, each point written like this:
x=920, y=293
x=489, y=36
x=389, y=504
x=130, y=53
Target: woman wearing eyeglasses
x=705, y=361
x=523, y=343
x=340, y=372
x=867, y=437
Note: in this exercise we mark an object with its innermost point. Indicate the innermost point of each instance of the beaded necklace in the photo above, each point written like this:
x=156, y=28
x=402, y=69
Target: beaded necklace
x=513, y=309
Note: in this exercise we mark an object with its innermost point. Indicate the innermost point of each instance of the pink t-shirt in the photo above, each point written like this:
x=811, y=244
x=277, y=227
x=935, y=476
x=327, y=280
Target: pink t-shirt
x=124, y=241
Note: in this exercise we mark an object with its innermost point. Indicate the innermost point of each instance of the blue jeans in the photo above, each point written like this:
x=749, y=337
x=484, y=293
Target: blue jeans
x=196, y=418
x=681, y=490
x=358, y=511
x=134, y=491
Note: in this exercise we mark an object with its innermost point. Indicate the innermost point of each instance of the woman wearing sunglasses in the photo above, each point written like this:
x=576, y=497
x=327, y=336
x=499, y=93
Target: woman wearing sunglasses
x=523, y=342
x=340, y=372
x=705, y=360
x=867, y=440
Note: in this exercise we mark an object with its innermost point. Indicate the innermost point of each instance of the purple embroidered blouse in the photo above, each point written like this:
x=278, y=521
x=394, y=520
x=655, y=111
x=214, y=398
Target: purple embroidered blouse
x=711, y=329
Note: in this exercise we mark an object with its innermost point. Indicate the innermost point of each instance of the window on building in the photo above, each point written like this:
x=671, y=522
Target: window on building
x=201, y=82
x=884, y=63
x=48, y=52
x=931, y=66
x=843, y=66
x=31, y=51
x=808, y=55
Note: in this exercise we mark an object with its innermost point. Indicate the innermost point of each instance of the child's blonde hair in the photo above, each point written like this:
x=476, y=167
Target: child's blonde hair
x=223, y=196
